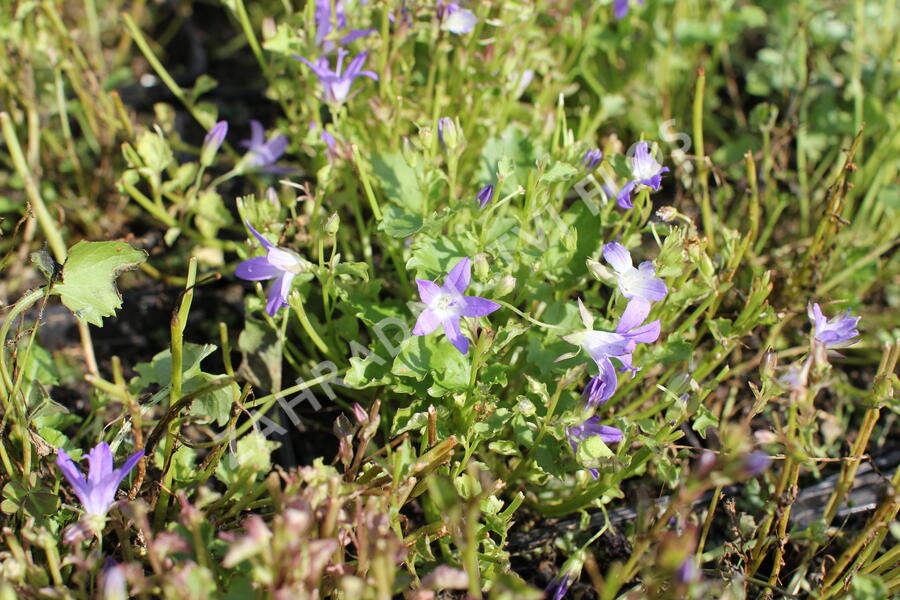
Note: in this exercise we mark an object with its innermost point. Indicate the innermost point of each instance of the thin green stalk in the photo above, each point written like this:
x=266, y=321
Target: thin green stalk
x=705, y=207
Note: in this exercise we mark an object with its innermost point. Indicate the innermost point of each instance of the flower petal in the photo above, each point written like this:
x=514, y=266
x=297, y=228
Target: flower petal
x=71, y=472
x=646, y=334
x=100, y=464
x=266, y=243
x=427, y=322
x=282, y=259
x=257, y=269
x=122, y=472
x=474, y=306
x=618, y=257
x=428, y=291
x=278, y=293
x=637, y=310
x=451, y=328
x=459, y=277
x=602, y=344
x=623, y=198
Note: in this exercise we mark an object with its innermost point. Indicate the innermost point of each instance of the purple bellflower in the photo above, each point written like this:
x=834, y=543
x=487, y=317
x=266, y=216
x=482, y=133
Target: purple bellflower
x=113, y=583
x=590, y=428
x=838, y=332
x=261, y=154
x=333, y=17
x=445, y=305
x=456, y=19
x=601, y=387
x=98, y=492
x=645, y=171
x=485, y=196
x=279, y=264
x=621, y=7
x=337, y=83
x=756, y=462
x=639, y=282
x=592, y=158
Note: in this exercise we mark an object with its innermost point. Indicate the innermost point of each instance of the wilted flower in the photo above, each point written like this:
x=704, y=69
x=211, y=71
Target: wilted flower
x=621, y=7
x=639, y=282
x=456, y=19
x=280, y=264
x=212, y=142
x=262, y=154
x=645, y=171
x=98, y=491
x=446, y=305
x=590, y=428
x=336, y=84
x=485, y=196
x=331, y=15
x=837, y=332
x=592, y=158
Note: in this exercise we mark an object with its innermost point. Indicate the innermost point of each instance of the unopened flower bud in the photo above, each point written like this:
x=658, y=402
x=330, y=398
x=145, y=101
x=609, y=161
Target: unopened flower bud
x=482, y=268
x=332, y=225
x=450, y=133
x=212, y=142
x=485, y=196
x=506, y=285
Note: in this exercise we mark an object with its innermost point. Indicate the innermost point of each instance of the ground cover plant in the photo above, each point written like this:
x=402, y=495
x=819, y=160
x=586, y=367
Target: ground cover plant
x=423, y=299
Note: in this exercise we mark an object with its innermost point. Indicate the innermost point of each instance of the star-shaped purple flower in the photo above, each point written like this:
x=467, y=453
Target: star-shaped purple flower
x=336, y=83
x=261, y=154
x=590, y=428
x=645, y=171
x=621, y=7
x=98, y=491
x=279, y=264
x=445, y=305
x=640, y=282
x=838, y=332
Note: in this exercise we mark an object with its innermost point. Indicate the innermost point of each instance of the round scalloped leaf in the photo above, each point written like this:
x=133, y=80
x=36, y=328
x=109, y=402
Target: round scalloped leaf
x=88, y=287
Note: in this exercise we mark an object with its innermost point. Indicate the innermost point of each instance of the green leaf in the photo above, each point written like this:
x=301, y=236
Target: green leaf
x=398, y=224
x=559, y=172
x=398, y=180
x=88, y=288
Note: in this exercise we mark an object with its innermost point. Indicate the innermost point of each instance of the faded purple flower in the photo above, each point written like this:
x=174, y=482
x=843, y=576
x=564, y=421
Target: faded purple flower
x=261, y=154
x=621, y=7
x=592, y=158
x=485, y=196
x=645, y=171
x=212, y=142
x=331, y=15
x=456, y=19
x=336, y=84
x=98, y=491
x=279, y=264
x=445, y=305
x=837, y=332
x=590, y=428
x=557, y=588
x=640, y=282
